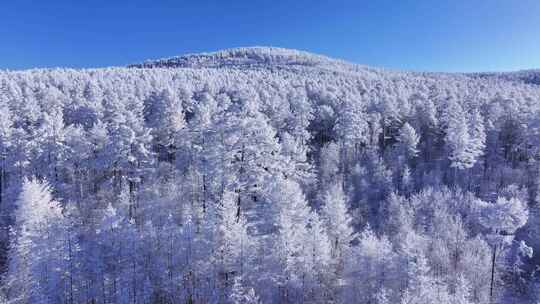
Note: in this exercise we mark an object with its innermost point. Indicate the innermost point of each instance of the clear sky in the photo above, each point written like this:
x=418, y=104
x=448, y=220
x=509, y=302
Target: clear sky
x=430, y=35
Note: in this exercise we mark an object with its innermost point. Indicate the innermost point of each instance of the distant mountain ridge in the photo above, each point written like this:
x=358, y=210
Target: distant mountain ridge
x=253, y=57
x=525, y=76
x=269, y=57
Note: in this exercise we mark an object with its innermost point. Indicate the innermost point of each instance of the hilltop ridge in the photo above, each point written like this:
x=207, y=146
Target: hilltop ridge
x=244, y=56
x=275, y=57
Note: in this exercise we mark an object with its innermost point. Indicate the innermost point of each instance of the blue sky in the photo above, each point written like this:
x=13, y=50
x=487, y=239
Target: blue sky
x=431, y=35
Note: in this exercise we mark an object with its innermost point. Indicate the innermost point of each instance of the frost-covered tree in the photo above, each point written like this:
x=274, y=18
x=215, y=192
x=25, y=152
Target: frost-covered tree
x=329, y=164
x=338, y=222
x=50, y=150
x=128, y=150
x=252, y=154
x=502, y=218
x=77, y=153
x=352, y=127
x=422, y=288
x=6, y=130
x=39, y=262
x=304, y=246
x=462, y=291
x=457, y=137
x=293, y=232
x=373, y=264
x=242, y=295
x=478, y=136
x=164, y=114
x=408, y=141
x=234, y=244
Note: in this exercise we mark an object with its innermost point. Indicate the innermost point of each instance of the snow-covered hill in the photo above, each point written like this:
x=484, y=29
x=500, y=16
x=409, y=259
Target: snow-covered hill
x=267, y=175
x=268, y=58
x=246, y=57
x=525, y=76
x=273, y=57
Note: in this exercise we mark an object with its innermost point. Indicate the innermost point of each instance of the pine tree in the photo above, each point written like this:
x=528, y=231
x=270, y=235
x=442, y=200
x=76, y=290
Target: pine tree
x=428, y=127
x=129, y=151
x=318, y=263
x=478, y=136
x=422, y=288
x=6, y=130
x=371, y=266
x=300, y=116
x=50, y=151
x=38, y=266
x=164, y=114
x=391, y=117
x=234, y=243
x=29, y=110
x=243, y=295
x=296, y=159
x=352, y=127
x=462, y=291
x=408, y=141
x=502, y=218
x=457, y=137
x=110, y=232
x=252, y=155
x=338, y=222
x=78, y=151
x=329, y=164
x=304, y=247
x=293, y=224
x=20, y=156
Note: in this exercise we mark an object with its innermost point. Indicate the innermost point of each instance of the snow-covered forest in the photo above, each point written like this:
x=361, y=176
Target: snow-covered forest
x=265, y=175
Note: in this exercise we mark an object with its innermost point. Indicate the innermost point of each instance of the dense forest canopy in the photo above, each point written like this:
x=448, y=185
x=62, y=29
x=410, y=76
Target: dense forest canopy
x=263, y=175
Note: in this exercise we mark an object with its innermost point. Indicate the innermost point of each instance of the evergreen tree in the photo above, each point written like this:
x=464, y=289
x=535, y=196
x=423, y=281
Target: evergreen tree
x=457, y=138
x=422, y=289
x=6, y=131
x=50, y=150
x=462, y=291
x=478, y=136
x=164, y=114
x=242, y=295
x=352, y=126
x=38, y=265
x=502, y=218
x=408, y=141
x=338, y=222
x=234, y=244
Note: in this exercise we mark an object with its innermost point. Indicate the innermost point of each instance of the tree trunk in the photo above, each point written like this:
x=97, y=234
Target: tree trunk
x=492, y=274
x=71, y=299
x=1, y=186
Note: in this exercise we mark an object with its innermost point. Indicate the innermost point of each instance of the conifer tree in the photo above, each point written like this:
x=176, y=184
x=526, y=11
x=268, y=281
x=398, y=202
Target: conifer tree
x=38, y=265
x=457, y=138
x=243, y=295
x=234, y=244
x=164, y=114
x=6, y=130
x=338, y=222
x=478, y=136
x=408, y=141
x=462, y=291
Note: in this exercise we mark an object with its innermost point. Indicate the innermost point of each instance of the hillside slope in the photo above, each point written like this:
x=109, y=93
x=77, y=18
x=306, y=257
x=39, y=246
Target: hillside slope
x=272, y=58
x=247, y=57
x=268, y=175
